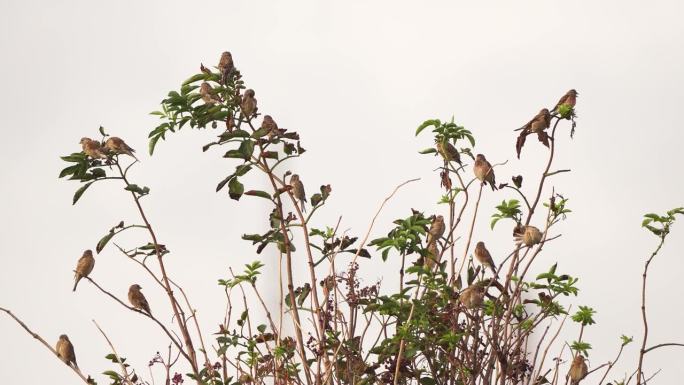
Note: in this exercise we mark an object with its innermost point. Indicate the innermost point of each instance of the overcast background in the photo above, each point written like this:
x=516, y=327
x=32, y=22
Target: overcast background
x=355, y=78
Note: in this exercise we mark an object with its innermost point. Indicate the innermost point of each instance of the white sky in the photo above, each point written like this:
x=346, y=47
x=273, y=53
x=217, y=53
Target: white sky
x=354, y=78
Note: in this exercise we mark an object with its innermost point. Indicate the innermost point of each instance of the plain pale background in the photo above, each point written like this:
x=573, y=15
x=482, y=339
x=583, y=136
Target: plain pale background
x=354, y=78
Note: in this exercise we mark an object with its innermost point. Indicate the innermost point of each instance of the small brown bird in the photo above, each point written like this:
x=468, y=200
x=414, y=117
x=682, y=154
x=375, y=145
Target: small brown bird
x=540, y=122
x=436, y=230
x=137, y=299
x=270, y=124
x=207, y=94
x=225, y=66
x=578, y=370
x=298, y=190
x=527, y=235
x=118, y=146
x=484, y=257
x=570, y=98
x=248, y=104
x=432, y=257
x=65, y=351
x=448, y=152
x=483, y=171
x=84, y=266
x=92, y=148
x=472, y=296
x=537, y=125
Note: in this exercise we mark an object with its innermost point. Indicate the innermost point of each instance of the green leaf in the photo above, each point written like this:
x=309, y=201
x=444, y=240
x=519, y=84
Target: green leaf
x=153, y=144
x=196, y=78
x=102, y=131
x=69, y=170
x=223, y=182
x=428, y=123
x=430, y=150
x=137, y=189
x=258, y=193
x=80, y=192
x=103, y=242
x=235, y=189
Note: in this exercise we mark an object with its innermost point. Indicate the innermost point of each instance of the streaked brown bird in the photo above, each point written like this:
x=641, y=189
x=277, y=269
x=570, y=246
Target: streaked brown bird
x=484, y=257
x=537, y=125
x=118, y=146
x=225, y=66
x=570, y=98
x=578, y=370
x=436, y=230
x=84, y=266
x=207, y=94
x=448, y=152
x=432, y=257
x=298, y=190
x=472, y=296
x=137, y=299
x=92, y=148
x=248, y=104
x=269, y=124
x=65, y=351
x=483, y=171
x=527, y=235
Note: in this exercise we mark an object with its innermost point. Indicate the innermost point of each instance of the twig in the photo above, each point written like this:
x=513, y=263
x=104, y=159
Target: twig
x=116, y=355
x=42, y=341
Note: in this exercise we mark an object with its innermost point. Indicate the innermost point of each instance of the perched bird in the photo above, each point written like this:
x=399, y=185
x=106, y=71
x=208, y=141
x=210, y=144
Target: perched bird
x=270, y=124
x=483, y=171
x=436, y=230
x=578, y=370
x=225, y=66
x=137, y=299
x=92, y=148
x=65, y=351
x=472, y=296
x=207, y=94
x=483, y=256
x=540, y=122
x=84, y=266
x=448, y=152
x=118, y=146
x=248, y=104
x=432, y=257
x=527, y=235
x=298, y=190
x=570, y=98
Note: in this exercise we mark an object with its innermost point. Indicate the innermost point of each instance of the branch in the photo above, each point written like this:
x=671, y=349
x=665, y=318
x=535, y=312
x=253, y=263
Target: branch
x=116, y=355
x=161, y=325
x=76, y=370
x=662, y=345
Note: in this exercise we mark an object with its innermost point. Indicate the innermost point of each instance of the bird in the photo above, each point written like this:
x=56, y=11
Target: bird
x=578, y=370
x=298, y=190
x=484, y=257
x=84, y=266
x=248, y=104
x=269, y=124
x=527, y=235
x=225, y=66
x=448, y=152
x=92, y=148
x=483, y=171
x=432, y=257
x=207, y=94
x=137, y=299
x=472, y=296
x=537, y=125
x=570, y=98
x=118, y=146
x=436, y=230
x=65, y=351
x=540, y=122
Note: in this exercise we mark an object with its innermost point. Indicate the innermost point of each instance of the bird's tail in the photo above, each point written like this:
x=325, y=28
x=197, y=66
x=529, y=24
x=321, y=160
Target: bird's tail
x=303, y=202
x=76, y=279
x=492, y=183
